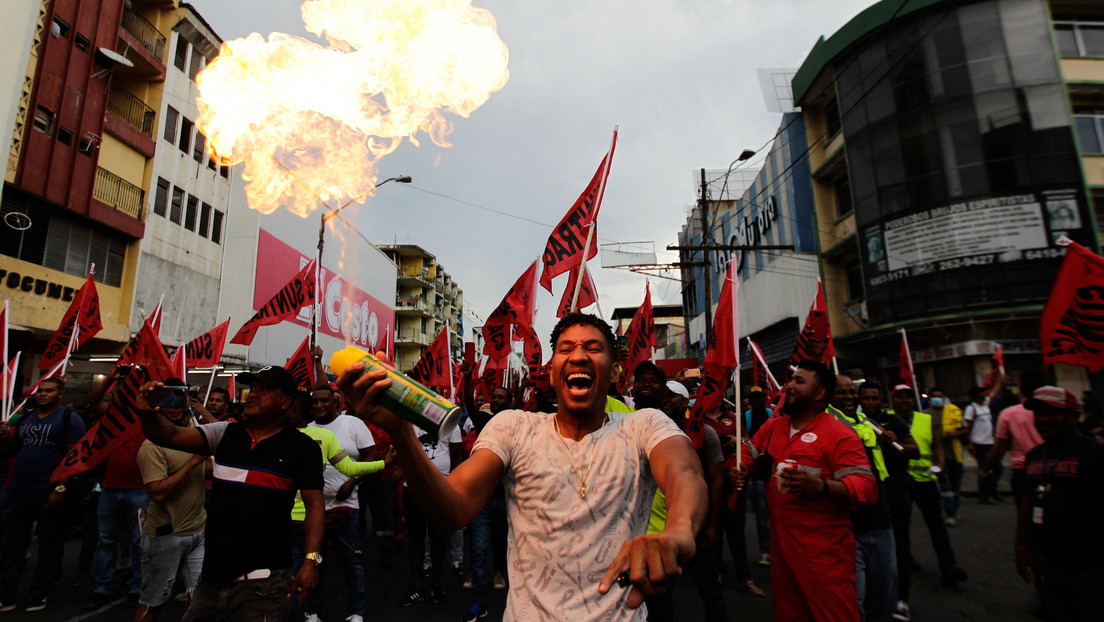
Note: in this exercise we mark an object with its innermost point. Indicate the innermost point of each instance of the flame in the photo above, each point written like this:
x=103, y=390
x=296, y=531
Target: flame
x=311, y=121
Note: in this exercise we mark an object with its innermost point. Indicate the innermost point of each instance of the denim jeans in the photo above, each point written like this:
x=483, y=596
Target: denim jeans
x=118, y=518
x=162, y=558
x=241, y=601
x=757, y=494
x=21, y=509
x=876, y=574
x=950, y=483
x=488, y=532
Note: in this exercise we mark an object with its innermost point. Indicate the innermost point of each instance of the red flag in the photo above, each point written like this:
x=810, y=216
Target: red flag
x=724, y=349
x=121, y=421
x=232, y=387
x=564, y=249
x=434, y=368
x=815, y=340
x=301, y=364
x=998, y=357
x=714, y=381
x=532, y=348
x=54, y=371
x=1072, y=324
x=491, y=377
x=206, y=350
x=641, y=335
x=83, y=311
x=298, y=293
x=154, y=319
x=516, y=308
x=760, y=372
x=905, y=371
x=179, y=364
x=9, y=385
x=588, y=293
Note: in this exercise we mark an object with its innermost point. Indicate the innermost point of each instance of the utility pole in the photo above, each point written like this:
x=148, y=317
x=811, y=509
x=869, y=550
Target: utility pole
x=706, y=240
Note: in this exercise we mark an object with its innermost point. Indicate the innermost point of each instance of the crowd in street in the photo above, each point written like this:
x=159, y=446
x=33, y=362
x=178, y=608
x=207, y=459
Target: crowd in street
x=588, y=510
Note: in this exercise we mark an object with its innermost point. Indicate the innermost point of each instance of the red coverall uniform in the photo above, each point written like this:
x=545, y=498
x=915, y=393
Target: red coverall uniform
x=812, y=544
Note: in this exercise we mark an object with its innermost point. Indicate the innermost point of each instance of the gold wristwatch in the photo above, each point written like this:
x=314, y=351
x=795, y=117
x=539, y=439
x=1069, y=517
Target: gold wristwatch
x=315, y=557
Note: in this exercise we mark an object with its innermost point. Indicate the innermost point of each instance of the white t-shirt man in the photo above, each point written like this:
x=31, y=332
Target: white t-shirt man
x=353, y=436
x=437, y=450
x=560, y=545
x=982, y=431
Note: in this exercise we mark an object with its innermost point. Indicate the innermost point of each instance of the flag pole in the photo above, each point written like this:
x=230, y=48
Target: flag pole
x=734, y=287
x=4, y=403
x=210, y=383
x=582, y=266
x=912, y=370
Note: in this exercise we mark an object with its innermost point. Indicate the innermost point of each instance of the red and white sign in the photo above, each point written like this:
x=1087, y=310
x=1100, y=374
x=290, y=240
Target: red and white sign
x=348, y=312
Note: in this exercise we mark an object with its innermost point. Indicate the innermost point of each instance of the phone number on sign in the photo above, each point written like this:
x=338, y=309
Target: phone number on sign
x=966, y=262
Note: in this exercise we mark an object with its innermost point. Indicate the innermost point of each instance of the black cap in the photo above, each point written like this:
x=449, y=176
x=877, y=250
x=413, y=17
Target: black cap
x=648, y=366
x=276, y=377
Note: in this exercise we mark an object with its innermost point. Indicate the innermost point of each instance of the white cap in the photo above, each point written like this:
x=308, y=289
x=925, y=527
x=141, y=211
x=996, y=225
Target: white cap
x=678, y=388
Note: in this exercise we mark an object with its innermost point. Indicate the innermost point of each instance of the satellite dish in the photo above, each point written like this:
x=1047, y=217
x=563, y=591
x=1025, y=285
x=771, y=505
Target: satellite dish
x=17, y=220
x=115, y=57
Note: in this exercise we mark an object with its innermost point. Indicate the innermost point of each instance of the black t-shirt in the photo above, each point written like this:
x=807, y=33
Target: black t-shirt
x=1073, y=508
x=896, y=461
x=252, y=492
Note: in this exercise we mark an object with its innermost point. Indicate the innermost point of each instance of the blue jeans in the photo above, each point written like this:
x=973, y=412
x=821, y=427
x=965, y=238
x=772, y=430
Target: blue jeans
x=118, y=518
x=488, y=532
x=21, y=509
x=344, y=546
x=950, y=484
x=246, y=601
x=876, y=574
x=757, y=494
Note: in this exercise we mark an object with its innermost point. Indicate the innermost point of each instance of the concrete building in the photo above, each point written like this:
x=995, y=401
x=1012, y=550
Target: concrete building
x=426, y=298
x=951, y=144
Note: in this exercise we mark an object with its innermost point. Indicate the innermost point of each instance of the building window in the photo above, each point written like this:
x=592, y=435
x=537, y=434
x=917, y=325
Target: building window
x=190, y=215
x=181, y=59
x=60, y=28
x=171, y=119
x=216, y=227
x=844, y=202
x=85, y=147
x=161, y=199
x=44, y=121
x=186, y=135
x=177, y=205
x=832, y=117
x=200, y=147
x=211, y=163
x=1090, y=129
x=854, y=280
x=65, y=136
x=81, y=42
x=73, y=246
x=1080, y=38
x=205, y=220
x=224, y=170
x=198, y=63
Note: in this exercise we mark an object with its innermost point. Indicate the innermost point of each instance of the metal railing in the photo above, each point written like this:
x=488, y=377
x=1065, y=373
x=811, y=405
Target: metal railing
x=414, y=336
x=146, y=33
x=131, y=109
x=112, y=190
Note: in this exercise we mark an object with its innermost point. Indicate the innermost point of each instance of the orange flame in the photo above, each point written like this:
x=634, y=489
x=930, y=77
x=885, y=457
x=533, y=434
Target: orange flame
x=300, y=114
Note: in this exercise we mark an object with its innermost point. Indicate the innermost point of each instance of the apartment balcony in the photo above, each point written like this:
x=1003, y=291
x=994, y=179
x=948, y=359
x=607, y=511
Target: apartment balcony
x=412, y=337
x=115, y=192
x=420, y=277
x=415, y=305
x=134, y=111
x=144, y=32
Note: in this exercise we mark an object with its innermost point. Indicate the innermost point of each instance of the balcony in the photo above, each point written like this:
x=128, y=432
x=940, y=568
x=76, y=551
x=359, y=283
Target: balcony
x=132, y=110
x=419, y=276
x=417, y=337
x=414, y=304
x=114, y=191
x=146, y=33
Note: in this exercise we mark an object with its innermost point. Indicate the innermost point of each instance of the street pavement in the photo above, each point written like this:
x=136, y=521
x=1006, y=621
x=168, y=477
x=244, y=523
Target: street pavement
x=982, y=542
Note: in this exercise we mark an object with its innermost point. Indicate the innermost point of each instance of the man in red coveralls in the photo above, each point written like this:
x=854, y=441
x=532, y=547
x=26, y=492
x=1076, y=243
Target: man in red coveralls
x=812, y=544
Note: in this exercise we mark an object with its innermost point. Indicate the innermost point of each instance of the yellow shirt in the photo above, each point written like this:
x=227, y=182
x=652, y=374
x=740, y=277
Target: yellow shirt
x=335, y=455
x=952, y=420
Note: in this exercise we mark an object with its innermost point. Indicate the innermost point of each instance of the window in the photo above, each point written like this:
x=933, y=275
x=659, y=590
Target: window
x=224, y=170
x=85, y=147
x=1079, y=38
x=81, y=42
x=832, y=117
x=216, y=227
x=177, y=205
x=854, y=280
x=190, y=215
x=73, y=246
x=200, y=147
x=198, y=63
x=1090, y=129
x=186, y=135
x=60, y=28
x=844, y=203
x=171, y=119
x=181, y=59
x=211, y=163
x=161, y=199
x=44, y=121
x=65, y=136
x=205, y=220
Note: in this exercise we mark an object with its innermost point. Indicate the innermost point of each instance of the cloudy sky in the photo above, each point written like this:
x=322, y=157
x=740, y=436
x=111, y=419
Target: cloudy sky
x=678, y=78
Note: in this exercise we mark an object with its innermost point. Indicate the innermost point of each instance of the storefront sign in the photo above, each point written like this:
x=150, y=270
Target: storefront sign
x=39, y=287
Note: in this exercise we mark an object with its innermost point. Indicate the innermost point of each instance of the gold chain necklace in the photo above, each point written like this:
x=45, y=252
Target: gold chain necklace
x=590, y=461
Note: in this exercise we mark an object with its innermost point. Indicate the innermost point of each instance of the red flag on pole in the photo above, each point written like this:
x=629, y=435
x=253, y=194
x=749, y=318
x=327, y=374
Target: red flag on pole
x=588, y=293
x=301, y=364
x=517, y=308
x=564, y=249
x=711, y=391
x=641, y=336
x=232, y=387
x=532, y=348
x=121, y=421
x=995, y=375
x=9, y=383
x=84, y=311
x=205, y=351
x=179, y=364
x=154, y=319
x=298, y=293
x=1072, y=324
x=759, y=369
x=434, y=368
x=905, y=371
x=815, y=340
x=724, y=349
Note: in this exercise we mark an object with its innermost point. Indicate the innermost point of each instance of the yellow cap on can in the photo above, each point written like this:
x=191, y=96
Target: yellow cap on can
x=342, y=359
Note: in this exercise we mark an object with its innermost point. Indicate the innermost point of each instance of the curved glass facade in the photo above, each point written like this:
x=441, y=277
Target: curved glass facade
x=962, y=162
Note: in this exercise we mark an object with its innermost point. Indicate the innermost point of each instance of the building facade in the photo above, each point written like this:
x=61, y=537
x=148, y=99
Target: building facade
x=951, y=145
x=426, y=299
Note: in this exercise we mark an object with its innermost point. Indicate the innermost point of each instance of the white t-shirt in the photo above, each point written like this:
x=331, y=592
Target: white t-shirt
x=560, y=545
x=438, y=450
x=353, y=435
x=982, y=431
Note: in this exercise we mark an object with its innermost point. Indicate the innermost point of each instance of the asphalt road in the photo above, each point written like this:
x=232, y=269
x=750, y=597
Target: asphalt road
x=982, y=542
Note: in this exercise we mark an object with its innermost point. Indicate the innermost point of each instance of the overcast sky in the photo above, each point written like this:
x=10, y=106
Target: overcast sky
x=679, y=78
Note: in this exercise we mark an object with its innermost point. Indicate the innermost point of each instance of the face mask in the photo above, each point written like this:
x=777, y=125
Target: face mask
x=937, y=401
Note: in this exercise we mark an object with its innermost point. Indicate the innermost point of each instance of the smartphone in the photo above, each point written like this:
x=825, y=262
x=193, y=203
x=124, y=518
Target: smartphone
x=469, y=352
x=169, y=396
x=693, y=373
x=124, y=370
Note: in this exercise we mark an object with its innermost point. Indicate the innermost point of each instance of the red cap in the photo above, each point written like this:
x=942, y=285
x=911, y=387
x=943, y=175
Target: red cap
x=1052, y=396
x=902, y=387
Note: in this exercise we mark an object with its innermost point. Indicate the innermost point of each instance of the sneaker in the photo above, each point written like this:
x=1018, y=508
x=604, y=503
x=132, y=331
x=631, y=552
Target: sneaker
x=36, y=604
x=354, y=618
x=475, y=613
x=437, y=593
x=7, y=607
x=311, y=617
x=467, y=582
x=413, y=597
x=458, y=569
x=950, y=521
x=499, y=581
x=902, y=612
x=953, y=576
x=764, y=559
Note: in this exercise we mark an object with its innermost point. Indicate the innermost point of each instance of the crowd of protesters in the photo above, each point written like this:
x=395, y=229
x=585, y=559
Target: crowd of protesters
x=599, y=503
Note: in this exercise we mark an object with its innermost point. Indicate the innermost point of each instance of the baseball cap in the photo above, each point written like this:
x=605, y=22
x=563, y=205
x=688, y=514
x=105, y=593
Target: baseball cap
x=648, y=366
x=678, y=388
x=902, y=387
x=756, y=390
x=276, y=377
x=1052, y=396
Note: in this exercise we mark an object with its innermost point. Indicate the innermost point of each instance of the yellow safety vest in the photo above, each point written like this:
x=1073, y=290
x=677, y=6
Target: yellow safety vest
x=867, y=435
x=921, y=430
